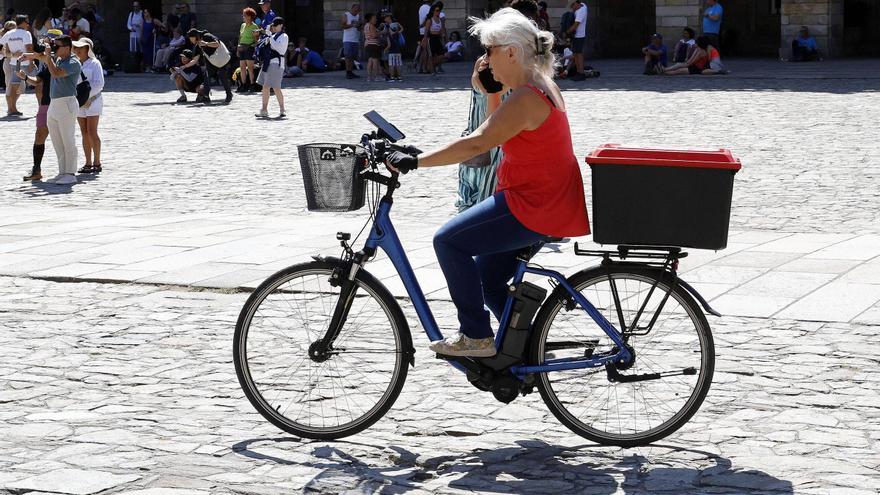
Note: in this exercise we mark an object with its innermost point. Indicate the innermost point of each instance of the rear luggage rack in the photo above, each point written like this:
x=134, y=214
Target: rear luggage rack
x=624, y=251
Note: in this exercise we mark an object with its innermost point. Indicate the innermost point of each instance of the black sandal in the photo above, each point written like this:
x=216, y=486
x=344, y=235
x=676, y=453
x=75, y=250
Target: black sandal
x=96, y=168
x=88, y=169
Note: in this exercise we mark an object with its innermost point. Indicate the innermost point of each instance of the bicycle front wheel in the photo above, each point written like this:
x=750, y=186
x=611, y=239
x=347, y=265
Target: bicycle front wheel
x=337, y=393
x=674, y=359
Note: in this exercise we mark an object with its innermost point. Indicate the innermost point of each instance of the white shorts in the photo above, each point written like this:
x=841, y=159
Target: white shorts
x=94, y=110
x=395, y=60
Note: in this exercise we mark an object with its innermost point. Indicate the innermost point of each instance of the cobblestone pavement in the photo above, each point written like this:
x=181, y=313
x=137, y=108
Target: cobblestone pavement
x=807, y=143
x=127, y=388
x=130, y=388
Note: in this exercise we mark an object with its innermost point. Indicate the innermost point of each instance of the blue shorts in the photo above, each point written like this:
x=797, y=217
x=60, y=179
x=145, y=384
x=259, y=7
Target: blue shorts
x=350, y=49
x=577, y=45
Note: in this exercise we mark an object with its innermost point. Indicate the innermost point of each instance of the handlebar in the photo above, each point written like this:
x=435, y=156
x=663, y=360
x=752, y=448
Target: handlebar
x=378, y=150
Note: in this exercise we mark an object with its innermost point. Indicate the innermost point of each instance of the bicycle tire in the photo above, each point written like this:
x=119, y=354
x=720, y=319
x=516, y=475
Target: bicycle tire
x=584, y=280
x=370, y=287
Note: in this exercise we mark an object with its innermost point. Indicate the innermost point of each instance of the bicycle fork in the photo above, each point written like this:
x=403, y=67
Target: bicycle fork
x=343, y=276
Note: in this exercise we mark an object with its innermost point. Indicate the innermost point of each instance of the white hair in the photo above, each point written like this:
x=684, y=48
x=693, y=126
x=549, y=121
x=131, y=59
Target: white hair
x=510, y=27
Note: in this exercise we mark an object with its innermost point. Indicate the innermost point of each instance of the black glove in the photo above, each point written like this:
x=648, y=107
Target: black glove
x=412, y=150
x=402, y=161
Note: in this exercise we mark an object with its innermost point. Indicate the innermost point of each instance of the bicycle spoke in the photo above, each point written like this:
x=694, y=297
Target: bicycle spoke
x=620, y=411
x=330, y=392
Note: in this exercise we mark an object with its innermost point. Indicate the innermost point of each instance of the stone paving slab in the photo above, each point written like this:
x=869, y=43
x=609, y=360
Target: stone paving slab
x=824, y=277
x=130, y=389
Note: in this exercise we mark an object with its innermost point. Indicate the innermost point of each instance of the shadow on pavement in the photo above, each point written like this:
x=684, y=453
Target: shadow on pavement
x=532, y=466
x=41, y=188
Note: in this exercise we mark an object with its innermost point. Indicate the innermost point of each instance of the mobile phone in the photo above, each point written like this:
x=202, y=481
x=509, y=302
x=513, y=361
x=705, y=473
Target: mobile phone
x=487, y=79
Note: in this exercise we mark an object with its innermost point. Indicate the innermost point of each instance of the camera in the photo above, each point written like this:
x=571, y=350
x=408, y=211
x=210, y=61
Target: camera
x=40, y=47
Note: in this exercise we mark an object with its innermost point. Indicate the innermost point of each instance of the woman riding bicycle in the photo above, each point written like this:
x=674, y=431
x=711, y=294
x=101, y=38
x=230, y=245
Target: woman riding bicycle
x=540, y=191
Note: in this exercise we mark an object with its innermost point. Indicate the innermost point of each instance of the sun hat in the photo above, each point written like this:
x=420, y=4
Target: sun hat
x=83, y=42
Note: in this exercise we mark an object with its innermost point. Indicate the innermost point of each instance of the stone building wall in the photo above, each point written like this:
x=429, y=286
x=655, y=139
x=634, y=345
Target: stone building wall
x=674, y=15
x=825, y=18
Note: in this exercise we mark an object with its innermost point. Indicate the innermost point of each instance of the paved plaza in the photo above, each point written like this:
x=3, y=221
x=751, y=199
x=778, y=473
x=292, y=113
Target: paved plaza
x=119, y=295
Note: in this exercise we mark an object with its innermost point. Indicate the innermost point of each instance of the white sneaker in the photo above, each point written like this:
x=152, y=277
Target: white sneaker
x=66, y=180
x=53, y=180
x=459, y=344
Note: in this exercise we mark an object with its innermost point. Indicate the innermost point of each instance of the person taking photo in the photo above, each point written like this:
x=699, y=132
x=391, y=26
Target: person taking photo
x=65, y=70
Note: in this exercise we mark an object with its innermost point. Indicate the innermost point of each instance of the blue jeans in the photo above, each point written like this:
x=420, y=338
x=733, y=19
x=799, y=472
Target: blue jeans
x=490, y=232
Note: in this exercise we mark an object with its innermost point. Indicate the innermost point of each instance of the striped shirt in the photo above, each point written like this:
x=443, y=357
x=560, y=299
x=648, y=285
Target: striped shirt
x=477, y=183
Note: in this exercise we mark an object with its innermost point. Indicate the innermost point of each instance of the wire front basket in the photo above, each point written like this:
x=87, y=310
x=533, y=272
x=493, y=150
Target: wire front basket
x=331, y=176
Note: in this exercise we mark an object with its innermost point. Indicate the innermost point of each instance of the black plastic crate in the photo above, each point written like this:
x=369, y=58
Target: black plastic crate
x=662, y=197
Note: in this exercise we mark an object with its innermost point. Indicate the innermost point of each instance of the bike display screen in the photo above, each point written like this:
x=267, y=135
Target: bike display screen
x=386, y=129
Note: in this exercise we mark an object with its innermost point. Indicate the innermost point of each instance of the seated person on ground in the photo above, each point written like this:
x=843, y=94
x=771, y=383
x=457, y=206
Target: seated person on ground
x=655, y=56
x=189, y=79
x=166, y=52
x=306, y=59
x=454, y=48
x=684, y=47
x=804, y=47
x=715, y=65
x=695, y=64
x=566, y=64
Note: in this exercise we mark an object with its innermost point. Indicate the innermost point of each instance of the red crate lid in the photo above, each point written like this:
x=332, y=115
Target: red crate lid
x=614, y=154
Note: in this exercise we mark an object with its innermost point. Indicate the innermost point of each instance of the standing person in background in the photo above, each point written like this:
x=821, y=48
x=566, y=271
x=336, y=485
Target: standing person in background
x=372, y=46
x=272, y=71
x=351, y=37
x=16, y=42
x=148, y=39
x=214, y=57
x=543, y=16
x=43, y=22
x=248, y=34
x=79, y=26
x=477, y=181
x=41, y=80
x=188, y=20
x=395, y=47
x=435, y=31
x=424, y=53
x=712, y=22
x=90, y=113
x=65, y=71
x=579, y=30
x=269, y=15
x=135, y=25
x=7, y=27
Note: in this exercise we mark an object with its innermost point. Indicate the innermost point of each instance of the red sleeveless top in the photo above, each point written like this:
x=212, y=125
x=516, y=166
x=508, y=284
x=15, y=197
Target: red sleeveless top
x=540, y=178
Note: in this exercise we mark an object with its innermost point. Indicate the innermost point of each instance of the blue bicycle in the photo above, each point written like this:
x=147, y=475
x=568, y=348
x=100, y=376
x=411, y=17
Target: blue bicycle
x=621, y=353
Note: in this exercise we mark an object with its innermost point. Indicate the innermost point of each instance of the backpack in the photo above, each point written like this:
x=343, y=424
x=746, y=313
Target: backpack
x=265, y=53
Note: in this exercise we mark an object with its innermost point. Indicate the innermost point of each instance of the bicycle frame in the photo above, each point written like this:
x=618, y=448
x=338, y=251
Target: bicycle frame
x=384, y=236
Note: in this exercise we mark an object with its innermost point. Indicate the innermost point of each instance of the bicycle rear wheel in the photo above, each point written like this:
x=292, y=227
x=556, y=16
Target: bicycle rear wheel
x=596, y=404
x=333, y=395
